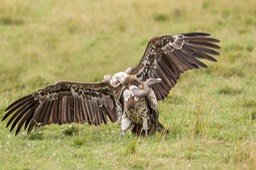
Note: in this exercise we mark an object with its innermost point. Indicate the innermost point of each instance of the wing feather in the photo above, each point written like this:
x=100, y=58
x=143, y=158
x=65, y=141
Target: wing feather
x=93, y=111
x=97, y=105
x=54, y=112
x=64, y=102
x=41, y=109
x=168, y=56
x=200, y=39
x=59, y=118
x=17, y=104
x=16, y=114
x=30, y=116
x=86, y=114
x=47, y=111
x=67, y=106
x=196, y=34
x=25, y=118
x=90, y=114
x=80, y=111
x=19, y=116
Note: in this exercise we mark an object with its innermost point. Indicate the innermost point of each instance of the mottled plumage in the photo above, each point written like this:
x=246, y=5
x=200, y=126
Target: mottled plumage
x=165, y=57
x=140, y=107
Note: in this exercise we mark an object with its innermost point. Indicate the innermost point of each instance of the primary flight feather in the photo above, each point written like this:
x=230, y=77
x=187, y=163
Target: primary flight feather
x=129, y=97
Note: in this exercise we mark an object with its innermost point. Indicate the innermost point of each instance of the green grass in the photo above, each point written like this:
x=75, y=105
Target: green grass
x=211, y=113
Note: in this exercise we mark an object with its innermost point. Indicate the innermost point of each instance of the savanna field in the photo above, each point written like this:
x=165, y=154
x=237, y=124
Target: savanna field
x=210, y=114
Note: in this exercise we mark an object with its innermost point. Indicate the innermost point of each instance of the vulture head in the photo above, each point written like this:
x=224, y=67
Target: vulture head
x=152, y=81
x=145, y=87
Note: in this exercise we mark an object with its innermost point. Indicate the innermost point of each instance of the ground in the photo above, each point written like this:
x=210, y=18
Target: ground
x=210, y=114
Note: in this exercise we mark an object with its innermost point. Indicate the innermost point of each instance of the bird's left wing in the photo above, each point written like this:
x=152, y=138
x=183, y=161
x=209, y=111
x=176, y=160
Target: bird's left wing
x=65, y=102
x=168, y=56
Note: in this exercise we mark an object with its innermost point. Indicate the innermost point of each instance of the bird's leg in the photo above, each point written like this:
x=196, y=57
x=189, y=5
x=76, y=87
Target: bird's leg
x=145, y=125
x=120, y=114
x=125, y=124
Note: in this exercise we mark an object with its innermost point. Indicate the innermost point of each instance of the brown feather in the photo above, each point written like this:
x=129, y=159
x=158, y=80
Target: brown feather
x=100, y=108
x=15, y=114
x=16, y=105
x=162, y=75
x=85, y=110
x=64, y=107
x=203, y=55
x=205, y=44
x=47, y=113
x=71, y=109
x=19, y=114
x=201, y=39
x=80, y=110
x=202, y=49
x=192, y=59
x=172, y=65
x=60, y=113
x=96, y=111
x=92, y=110
x=183, y=58
x=39, y=110
x=31, y=125
x=111, y=114
x=194, y=34
x=104, y=113
x=41, y=116
x=77, y=118
x=90, y=120
x=19, y=102
x=26, y=117
x=54, y=112
x=97, y=104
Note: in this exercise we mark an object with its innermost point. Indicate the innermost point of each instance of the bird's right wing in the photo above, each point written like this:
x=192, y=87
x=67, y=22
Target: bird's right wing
x=65, y=102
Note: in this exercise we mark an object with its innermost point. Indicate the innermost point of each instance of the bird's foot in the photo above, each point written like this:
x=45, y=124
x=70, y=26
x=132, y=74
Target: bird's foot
x=121, y=133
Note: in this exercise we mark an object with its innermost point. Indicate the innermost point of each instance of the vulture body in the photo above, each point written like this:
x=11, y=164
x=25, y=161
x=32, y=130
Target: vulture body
x=129, y=97
x=141, y=108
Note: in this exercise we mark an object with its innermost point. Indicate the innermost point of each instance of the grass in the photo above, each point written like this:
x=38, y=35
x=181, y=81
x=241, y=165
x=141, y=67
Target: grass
x=211, y=113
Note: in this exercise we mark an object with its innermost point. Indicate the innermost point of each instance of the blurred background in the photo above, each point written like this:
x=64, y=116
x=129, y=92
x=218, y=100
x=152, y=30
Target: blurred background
x=85, y=39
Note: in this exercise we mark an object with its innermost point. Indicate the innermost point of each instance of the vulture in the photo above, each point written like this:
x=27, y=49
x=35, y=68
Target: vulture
x=129, y=97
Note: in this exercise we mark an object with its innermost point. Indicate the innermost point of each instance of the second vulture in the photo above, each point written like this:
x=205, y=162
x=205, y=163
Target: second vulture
x=129, y=97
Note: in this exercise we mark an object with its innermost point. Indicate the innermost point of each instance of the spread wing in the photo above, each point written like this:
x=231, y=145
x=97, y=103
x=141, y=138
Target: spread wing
x=168, y=56
x=64, y=102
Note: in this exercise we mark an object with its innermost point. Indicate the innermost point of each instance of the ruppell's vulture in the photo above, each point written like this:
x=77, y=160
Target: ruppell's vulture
x=129, y=97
